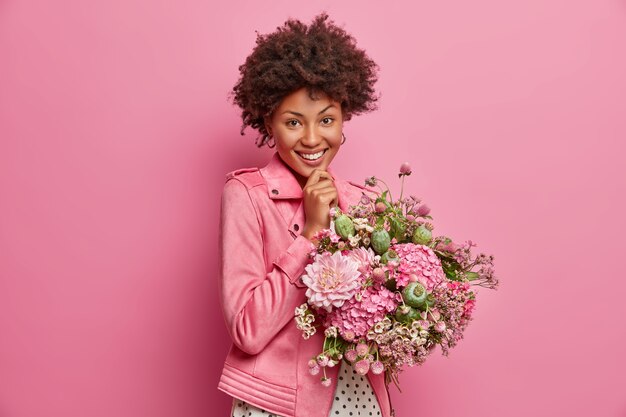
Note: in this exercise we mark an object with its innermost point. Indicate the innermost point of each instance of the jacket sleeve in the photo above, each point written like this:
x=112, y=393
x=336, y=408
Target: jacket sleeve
x=256, y=304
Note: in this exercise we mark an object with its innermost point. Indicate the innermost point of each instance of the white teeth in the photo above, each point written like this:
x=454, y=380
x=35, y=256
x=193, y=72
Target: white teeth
x=313, y=156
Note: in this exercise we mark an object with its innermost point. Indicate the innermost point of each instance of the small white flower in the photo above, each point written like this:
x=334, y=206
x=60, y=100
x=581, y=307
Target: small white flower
x=379, y=327
x=331, y=332
x=300, y=310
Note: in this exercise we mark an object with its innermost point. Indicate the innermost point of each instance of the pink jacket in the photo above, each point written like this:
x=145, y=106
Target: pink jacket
x=261, y=257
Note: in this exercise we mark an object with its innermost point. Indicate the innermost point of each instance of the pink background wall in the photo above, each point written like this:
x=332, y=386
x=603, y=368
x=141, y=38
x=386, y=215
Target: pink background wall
x=115, y=135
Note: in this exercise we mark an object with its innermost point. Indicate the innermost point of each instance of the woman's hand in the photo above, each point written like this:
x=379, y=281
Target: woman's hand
x=320, y=195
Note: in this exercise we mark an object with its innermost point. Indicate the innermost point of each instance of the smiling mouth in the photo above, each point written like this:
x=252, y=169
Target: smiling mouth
x=312, y=156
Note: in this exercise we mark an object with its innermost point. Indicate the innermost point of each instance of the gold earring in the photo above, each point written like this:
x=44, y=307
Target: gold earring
x=273, y=143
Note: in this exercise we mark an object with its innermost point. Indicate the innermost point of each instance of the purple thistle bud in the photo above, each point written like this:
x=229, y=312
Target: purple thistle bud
x=378, y=274
x=405, y=169
x=423, y=210
x=380, y=207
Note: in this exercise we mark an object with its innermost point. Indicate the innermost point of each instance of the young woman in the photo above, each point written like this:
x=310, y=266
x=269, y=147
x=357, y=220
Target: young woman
x=297, y=88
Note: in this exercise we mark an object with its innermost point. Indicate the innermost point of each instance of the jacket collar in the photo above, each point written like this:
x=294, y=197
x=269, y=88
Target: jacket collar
x=281, y=183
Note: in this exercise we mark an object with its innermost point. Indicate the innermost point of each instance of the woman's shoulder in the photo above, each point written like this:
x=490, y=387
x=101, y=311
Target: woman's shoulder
x=250, y=177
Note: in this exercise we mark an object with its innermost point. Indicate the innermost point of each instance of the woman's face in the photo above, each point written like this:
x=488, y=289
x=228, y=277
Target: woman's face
x=307, y=132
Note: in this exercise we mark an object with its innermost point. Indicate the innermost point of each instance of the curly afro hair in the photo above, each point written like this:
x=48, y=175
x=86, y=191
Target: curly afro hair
x=321, y=57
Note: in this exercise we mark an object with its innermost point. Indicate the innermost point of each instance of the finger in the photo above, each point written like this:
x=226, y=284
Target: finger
x=322, y=183
x=315, y=193
x=316, y=175
x=328, y=197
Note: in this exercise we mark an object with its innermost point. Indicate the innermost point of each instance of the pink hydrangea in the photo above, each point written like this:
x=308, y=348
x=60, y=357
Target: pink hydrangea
x=418, y=260
x=357, y=317
x=331, y=280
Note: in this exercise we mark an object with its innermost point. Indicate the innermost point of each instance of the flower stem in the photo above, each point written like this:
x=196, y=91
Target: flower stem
x=388, y=190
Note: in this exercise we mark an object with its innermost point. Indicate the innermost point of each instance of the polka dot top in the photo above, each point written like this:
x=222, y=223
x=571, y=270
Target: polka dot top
x=353, y=397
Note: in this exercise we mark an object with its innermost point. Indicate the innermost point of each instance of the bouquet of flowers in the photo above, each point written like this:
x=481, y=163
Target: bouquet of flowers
x=384, y=290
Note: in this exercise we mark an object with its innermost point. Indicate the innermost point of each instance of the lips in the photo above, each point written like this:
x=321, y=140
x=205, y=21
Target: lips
x=312, y=156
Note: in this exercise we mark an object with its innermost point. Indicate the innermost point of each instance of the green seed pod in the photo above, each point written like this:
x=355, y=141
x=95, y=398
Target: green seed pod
x=344, y=226
x=406, y=314
x=390, y=255
x=429, y=302
x=414, y=294
x=422, y=236
x=380, y=241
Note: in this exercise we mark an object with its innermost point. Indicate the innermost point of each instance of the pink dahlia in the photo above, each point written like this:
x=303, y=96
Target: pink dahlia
x=421, y=261
x=331, y=280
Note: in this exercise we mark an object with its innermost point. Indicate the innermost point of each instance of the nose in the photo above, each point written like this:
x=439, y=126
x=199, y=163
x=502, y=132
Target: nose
x=312, y=136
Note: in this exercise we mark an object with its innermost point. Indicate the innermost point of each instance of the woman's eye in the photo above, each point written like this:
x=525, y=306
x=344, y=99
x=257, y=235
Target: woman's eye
x=292, y=123
x=327, y=120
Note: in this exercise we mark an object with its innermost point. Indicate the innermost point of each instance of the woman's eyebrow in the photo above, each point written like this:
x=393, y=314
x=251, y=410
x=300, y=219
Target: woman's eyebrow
x=301, y=115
